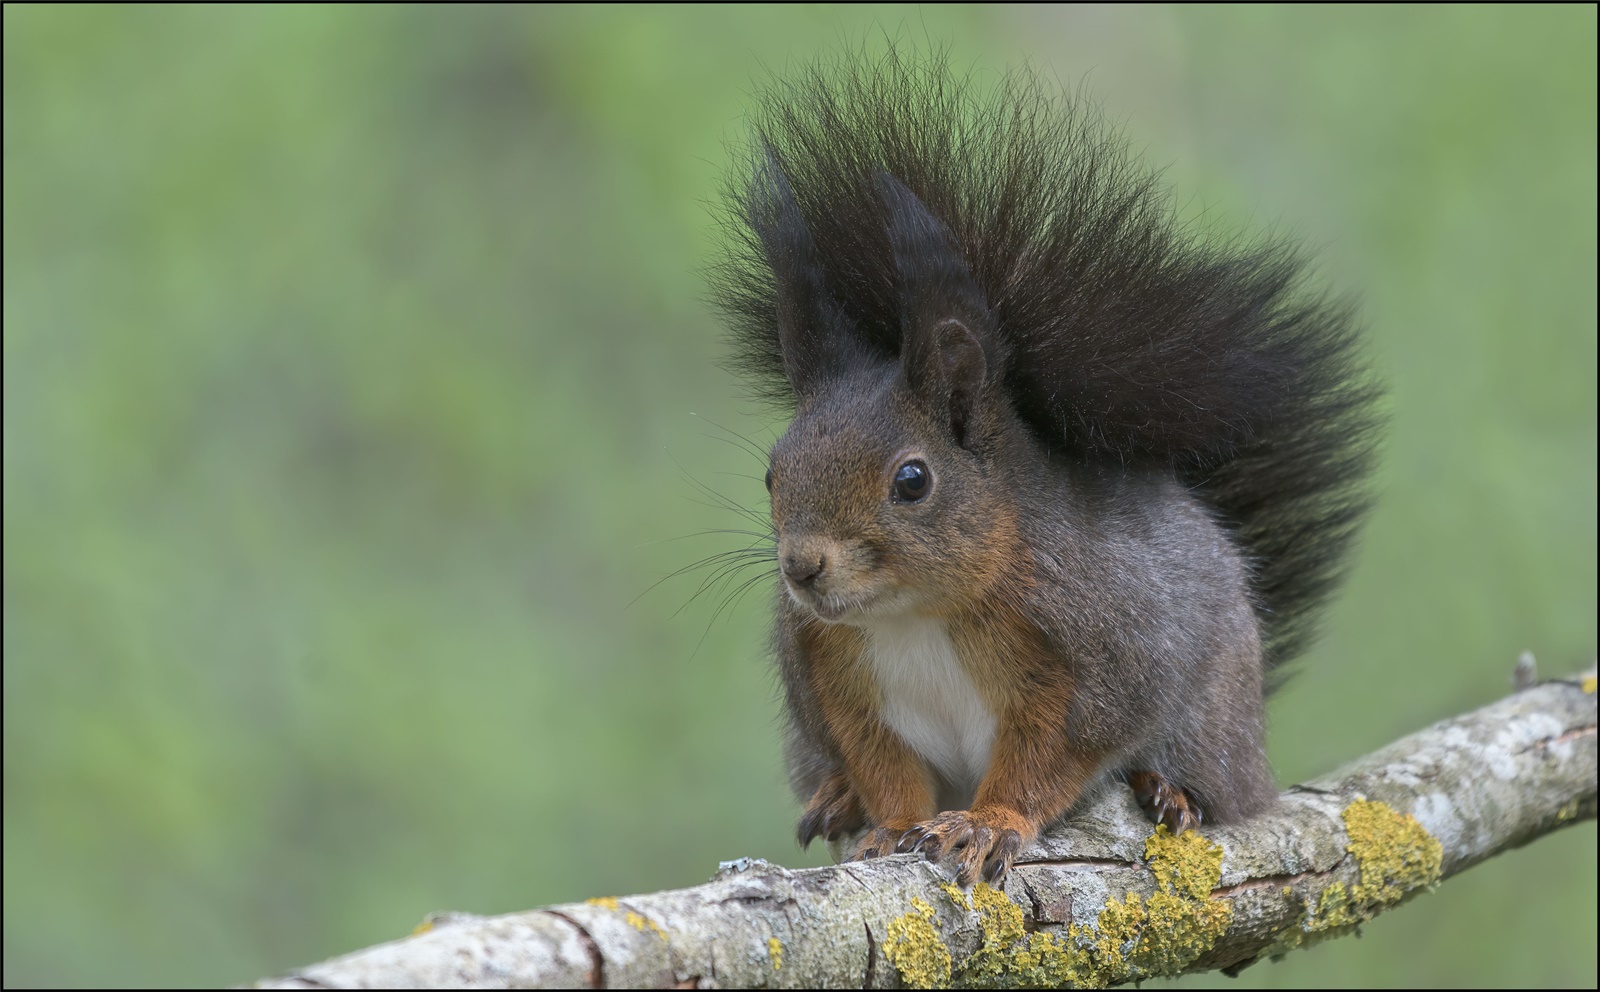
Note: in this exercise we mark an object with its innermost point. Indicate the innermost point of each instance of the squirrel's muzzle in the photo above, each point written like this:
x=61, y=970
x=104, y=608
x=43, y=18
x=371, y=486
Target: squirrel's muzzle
x=803, y=567
x=823, y=574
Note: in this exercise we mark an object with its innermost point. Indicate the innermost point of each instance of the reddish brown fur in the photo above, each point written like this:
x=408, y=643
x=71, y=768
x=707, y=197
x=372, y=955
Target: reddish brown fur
x=892, y=783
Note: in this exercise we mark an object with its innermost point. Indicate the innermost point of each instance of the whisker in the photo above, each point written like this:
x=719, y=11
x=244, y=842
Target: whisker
x=750, y=584
x=749, y=514
x=762, y=455
x=726, y=575
x=748, y=443
x=720, y=501
x=748, y=555
x=720, y=576
x=724, y=605
x=759, y=535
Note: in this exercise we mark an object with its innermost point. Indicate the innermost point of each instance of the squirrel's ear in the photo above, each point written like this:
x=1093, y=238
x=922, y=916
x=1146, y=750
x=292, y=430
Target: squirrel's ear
x=815, y=338
x=943, y=314
x=945, y=364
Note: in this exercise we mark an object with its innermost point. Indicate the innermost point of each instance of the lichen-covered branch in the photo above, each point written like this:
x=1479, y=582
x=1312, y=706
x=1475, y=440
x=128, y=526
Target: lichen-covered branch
x=1098, y=901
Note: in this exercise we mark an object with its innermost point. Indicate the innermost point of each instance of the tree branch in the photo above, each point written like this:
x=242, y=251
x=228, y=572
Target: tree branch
x=1099, y=900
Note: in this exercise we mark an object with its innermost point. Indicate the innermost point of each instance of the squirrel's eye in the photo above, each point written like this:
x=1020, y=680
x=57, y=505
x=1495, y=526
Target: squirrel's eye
x=769, y=480
x=911, y=481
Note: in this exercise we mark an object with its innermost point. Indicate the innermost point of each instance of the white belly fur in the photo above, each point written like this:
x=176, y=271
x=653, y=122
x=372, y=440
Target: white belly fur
x=929, y=699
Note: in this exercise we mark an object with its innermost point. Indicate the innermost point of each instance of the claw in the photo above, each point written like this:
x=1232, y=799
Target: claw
x=975, y=855
x=1001, y=857
x=1186, y=820
x=807, y=831
x=1164, y=802
x=982, y=845
x=878, y=843
x=832, y=812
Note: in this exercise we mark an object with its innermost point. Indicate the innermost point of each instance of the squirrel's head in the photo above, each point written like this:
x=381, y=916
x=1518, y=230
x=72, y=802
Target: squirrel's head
x=885, y=492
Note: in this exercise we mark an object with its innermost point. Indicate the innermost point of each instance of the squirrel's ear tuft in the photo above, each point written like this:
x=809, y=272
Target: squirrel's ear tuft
x=934, y=279
x=815, y=337
x=944, y=316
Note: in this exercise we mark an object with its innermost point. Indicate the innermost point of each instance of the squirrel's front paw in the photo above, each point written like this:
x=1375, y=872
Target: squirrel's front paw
x=832, y=811
x=987, y=839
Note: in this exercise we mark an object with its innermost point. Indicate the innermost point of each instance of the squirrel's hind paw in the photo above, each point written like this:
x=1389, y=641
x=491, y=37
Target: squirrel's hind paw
x=1164, y=802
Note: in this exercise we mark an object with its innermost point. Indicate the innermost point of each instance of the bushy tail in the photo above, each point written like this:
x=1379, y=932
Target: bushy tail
x=1130, y=340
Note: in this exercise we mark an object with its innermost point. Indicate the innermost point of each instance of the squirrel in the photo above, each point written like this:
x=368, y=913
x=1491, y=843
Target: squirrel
x=1065, y=484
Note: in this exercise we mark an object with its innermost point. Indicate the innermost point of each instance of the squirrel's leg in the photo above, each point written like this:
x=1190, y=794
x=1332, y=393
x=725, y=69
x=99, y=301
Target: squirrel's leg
x=1164, y=802
x=891, y=784
x=1036, y=772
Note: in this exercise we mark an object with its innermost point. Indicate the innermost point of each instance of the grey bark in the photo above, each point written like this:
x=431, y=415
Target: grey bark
x=1098, y=900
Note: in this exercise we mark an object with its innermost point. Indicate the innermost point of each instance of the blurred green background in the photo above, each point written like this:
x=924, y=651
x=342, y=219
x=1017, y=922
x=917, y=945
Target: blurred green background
x=352, y=364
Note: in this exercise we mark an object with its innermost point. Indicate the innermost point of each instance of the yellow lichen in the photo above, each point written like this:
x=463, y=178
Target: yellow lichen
x=638, y=921
x=1117, y=930
x=775, y=952
x=1000, y=922
x=1132, y=939
x=957, y=897
x=422, y=927
x=914, y=948
x=1009, y=957
x=1589, y=684
x=1184, y=865
x=1137, y=938
x=643, y=924
x=1182, y=921
x=1333, y=909
x=1395, y=855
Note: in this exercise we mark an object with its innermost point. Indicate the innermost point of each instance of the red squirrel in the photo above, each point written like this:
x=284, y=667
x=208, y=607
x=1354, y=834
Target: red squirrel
x=1065, y=483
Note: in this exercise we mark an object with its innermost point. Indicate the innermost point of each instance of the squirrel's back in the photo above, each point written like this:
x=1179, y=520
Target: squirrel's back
x=1125, y=341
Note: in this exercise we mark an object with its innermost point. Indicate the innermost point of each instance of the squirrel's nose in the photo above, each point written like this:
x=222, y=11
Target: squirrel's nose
x=803, y=569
